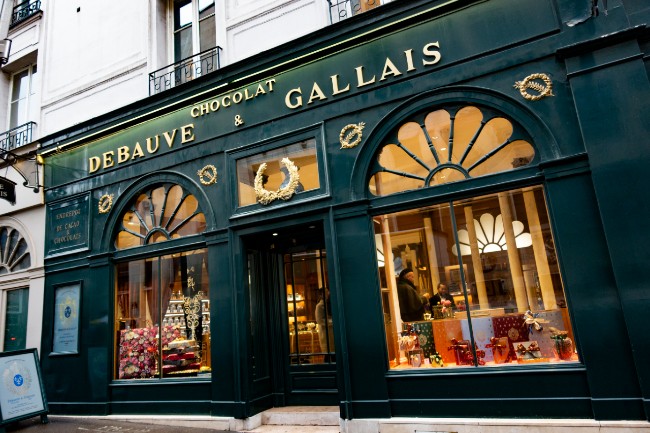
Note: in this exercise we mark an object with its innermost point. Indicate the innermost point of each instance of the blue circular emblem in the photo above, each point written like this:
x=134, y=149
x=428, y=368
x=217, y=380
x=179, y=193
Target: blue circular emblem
x=18, y=380
x=67, y=312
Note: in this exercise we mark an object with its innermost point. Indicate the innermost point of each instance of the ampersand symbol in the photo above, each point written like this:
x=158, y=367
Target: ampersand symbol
x=238, y=120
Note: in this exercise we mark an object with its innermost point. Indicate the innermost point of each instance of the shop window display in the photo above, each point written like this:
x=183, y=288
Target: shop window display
x=162, y=307
x=473, y=283
x=162, y=317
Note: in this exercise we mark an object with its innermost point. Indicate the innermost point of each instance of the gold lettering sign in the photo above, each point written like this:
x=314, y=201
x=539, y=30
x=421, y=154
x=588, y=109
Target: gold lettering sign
x=136, y=151
x=430, y=55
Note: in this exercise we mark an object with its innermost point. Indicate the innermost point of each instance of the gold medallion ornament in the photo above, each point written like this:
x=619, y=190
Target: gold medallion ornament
x=264, y=196
x=544, y=90
x=351, y=135
x=208, y=175
x=105, y=203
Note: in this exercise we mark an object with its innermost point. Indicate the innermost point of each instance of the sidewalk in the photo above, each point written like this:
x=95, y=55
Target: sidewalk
x=317, y=420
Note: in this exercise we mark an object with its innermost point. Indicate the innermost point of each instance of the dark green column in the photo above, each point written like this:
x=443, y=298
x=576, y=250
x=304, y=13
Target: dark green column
x=612, y=99
x=360, y=307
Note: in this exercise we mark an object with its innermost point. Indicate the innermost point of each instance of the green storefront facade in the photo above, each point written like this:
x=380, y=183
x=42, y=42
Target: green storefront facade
x=345, y=114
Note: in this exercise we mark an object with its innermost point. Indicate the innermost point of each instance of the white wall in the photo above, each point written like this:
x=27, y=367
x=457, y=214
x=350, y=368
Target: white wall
x=95, y=55
x=254, y=26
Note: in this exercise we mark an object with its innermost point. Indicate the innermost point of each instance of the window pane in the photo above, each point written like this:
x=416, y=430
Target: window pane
x=207, y=32
x=20, y=86
x=206, y=7
x=18, y=113
x=508, y=290
x=16, y=319
x=171, y=291
x=276, y=175
x=182, y=14
x=311, y=330
x=183, y=44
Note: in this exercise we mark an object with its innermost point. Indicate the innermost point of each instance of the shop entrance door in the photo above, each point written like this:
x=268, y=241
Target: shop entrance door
x=291, y=318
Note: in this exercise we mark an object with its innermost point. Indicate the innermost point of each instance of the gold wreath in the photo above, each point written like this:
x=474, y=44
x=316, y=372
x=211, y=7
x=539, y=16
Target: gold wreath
x=350, y=131
x=209, y=171
x=105, y=203
x=264, y=196
x=528, y=83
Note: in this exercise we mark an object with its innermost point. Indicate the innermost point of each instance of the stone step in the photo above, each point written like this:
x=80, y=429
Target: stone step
x=302, y=416
x=294, y=429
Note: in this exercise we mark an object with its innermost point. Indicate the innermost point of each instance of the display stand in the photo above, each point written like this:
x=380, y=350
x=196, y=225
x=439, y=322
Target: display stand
x=21, y=387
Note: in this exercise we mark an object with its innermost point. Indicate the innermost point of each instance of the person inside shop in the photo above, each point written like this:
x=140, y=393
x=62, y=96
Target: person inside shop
x=411, y=304
x=442, y=295
x=323, y=313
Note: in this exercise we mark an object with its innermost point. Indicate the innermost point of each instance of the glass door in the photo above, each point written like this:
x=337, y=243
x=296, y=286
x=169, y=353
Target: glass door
x=309, y=308
x=292, y=355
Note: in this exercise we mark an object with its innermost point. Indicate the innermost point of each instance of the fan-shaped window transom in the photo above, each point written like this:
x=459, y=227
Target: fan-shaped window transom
x=14, y=253
x=447, y=145
x=160, y=214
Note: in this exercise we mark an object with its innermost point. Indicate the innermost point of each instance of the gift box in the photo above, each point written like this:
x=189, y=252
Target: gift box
x=443, y=332
x=500, y=349
x=415, y=357
x=512, y=326
x=424, y=331
x=547, y=319
x=483, y=331
x=528, y=352
x=462, y=352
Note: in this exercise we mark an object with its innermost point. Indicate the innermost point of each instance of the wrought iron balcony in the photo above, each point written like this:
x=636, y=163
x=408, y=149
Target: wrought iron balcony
x=342, y=9
x=17, y=137
x=184, y=70
x=24, y=10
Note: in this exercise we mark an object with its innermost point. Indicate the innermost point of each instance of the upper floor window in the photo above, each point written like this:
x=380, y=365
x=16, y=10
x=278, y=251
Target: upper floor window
x=194, y=27
x=14, y=253
x=159, y=214
x=447, y=145
x=23, y=105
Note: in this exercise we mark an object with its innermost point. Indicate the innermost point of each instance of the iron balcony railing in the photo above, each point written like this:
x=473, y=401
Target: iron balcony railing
x=342, y=9
x=24, y=10
x=17, y=137
x=184, y=70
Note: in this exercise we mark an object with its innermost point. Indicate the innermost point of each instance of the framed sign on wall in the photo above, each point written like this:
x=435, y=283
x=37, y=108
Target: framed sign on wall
x=67, y=300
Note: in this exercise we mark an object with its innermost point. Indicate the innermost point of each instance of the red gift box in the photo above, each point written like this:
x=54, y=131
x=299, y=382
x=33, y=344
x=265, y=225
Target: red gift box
x=462, y=352
x=512, y=326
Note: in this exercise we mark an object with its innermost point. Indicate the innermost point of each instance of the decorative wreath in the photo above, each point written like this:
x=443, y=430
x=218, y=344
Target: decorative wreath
x=544, y=90
x=207, y=175
x=264, y=196
x=105, y=203
x=349, y=132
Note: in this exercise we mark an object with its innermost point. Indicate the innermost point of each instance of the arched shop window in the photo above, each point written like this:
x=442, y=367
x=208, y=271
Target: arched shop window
x=484, y=287
x=14, y=257
x=162, y=307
